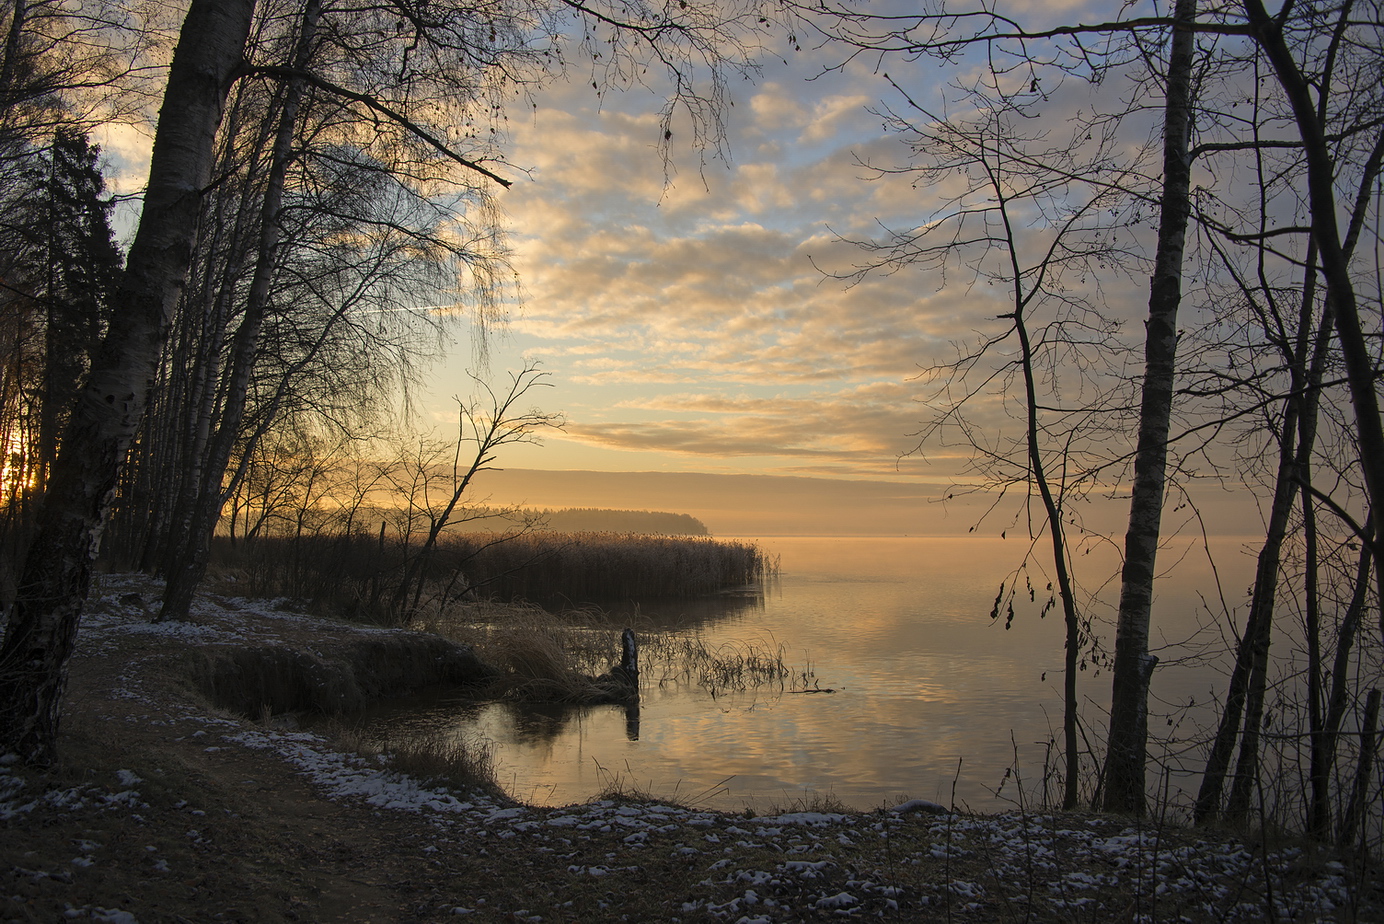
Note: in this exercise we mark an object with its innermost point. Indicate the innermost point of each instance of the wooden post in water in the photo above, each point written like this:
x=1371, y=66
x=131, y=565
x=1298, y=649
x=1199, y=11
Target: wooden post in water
x=629, y=658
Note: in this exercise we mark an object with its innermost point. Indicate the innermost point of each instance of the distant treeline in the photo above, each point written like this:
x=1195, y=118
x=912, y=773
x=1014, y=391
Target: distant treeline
x=598, y=520
x=580, y=520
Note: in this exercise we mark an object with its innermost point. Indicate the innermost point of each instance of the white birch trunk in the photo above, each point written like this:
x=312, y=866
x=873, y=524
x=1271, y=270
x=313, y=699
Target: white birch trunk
x=1123, y=782
x=189, y=558
x=43, y=622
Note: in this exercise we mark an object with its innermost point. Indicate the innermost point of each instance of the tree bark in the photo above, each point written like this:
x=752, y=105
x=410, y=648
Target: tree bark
x=1335, y=258
x=190, y=557
x=1123, y=783
x=190, y=413
x=10, y=64
x=1324, y=750
x=1364, y=770
x=1295, y=451
x=44, y=618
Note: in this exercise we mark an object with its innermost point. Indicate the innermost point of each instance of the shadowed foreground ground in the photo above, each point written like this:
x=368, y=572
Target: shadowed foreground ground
x=167, y=808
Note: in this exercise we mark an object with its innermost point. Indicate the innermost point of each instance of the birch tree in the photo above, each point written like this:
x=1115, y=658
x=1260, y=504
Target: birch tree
x=1050, y=354
x=1125, y=760
x=418, y=69
x=51, y=594
x=1097, y=51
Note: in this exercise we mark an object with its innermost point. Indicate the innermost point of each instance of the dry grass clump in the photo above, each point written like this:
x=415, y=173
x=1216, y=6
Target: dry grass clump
x=542, y=656
x=825, y=803
x=538, y=662
x=622, y=786
x=729, y=667
x=459, y=762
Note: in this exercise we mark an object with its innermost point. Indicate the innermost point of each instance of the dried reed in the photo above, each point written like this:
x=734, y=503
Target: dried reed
x=465, y=763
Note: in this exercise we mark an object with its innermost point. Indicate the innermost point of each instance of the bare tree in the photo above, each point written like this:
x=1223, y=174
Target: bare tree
x=1024, y=58
x=441, y=67
x=1053, y=348
x=481, y=432
x=1125, y=760
x=1339, y=57
x=44, y=617
x=1322, y=169
x=405, y=63
x=1243, y=144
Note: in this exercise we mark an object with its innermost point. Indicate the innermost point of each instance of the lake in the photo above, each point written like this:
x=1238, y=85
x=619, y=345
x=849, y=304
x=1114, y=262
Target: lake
x=932, y=699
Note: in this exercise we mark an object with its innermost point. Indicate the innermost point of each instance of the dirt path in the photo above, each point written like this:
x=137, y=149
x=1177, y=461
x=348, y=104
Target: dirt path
x=213, y=832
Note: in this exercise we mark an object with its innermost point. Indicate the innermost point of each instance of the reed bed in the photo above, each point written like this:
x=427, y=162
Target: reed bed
x=359, y=576
x=728, y=667
x=476, y=589
x=554, y=657
x=588, y=566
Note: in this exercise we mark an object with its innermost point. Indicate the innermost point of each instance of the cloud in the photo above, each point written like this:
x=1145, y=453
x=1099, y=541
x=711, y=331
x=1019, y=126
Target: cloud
x=852, y=431
x=834, y=113
x=720, y=314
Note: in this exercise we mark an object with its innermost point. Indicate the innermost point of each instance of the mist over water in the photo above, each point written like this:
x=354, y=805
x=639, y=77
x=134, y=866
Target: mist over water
x=932, y=699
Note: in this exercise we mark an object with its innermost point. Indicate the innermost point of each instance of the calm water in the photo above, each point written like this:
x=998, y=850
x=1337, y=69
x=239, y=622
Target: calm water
x=929, y=693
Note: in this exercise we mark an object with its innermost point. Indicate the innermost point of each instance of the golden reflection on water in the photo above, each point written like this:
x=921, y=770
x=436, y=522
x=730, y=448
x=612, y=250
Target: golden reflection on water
x=931, y=693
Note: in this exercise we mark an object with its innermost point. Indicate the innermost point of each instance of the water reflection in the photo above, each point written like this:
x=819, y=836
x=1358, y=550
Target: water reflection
x=664, y=615
x=933, y=700
x=529, y=725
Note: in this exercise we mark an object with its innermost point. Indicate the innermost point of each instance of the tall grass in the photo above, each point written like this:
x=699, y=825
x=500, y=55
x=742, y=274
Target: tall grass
x=356, y=575
x=730, y=667
x=547, y=657
x=594, y=567
x=465, y=763
x=542, y=657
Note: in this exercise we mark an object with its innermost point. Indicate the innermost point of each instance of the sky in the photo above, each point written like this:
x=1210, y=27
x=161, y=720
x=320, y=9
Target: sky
x=690, y=318
x=686, y=320
x=689, y=315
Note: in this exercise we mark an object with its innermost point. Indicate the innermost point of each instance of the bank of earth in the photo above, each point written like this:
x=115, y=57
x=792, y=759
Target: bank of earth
x=184, y=792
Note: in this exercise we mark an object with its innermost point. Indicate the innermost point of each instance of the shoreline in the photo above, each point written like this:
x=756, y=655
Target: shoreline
x=164, y=807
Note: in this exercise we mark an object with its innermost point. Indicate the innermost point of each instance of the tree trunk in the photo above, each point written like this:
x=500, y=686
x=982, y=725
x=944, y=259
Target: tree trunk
x=1247, y=682
x=233, y=223
x=1364, y=770
x=1295, y=450
x=1324, y=754
x=1335, y=258
x=10, y=64
x=1066, y=592
x=52, y=590
x=190, y=558
x=1126, y=750
x=1290, y=475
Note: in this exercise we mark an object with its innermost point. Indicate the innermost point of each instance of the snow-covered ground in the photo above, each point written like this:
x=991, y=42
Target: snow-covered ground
x=1063, y=863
